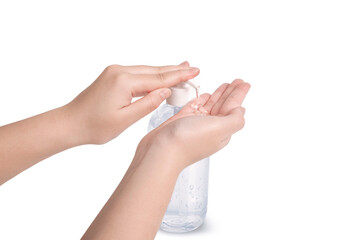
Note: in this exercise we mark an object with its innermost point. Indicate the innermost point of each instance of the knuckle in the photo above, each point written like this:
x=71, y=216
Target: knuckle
x=152, y=102
x=118, y=80
x=115, y=73
x=159, y=70
x=161, y=77
x=121, y=77
x=181, y=73
x=112, y=68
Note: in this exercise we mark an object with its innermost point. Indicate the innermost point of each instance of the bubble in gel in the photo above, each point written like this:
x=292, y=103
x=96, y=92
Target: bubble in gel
x=202, y=109
x=195, y=107
x=199, y=109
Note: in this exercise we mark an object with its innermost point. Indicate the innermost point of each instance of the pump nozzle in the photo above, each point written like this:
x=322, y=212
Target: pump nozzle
x=192, y=84
x=183, y=92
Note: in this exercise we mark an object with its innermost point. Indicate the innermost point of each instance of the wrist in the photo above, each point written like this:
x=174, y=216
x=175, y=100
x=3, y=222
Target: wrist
x=71, y=127
x=157, y=151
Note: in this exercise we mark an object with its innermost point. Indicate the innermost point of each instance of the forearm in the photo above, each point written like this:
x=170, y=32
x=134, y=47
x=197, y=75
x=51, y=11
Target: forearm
x=136, y=208
x=24, y=143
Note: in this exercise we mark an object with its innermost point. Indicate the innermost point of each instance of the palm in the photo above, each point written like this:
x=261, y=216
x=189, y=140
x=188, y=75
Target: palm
x=226, y=98
x=196, y=133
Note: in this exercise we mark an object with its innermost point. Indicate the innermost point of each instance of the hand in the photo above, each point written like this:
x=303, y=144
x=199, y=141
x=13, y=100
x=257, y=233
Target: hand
x=149, y=182
x=195, y=134
x=105, y=109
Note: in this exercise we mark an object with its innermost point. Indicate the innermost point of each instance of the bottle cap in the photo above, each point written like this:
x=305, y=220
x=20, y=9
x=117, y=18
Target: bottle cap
x=182, y=93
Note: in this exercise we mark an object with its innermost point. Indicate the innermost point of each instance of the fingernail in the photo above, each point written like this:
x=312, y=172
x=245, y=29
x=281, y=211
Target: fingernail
x=165, y=93
x=185, y=63
x=193, y=70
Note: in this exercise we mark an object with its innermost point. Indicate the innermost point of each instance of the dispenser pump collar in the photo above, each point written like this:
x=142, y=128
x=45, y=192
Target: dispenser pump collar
x=182, y=93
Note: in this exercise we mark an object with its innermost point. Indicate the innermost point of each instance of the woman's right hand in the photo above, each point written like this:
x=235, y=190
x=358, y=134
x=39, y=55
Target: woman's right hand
x=196, y=133
x=105, y=109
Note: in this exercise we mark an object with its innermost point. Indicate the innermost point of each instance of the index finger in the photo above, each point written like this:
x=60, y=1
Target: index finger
x=144, y=83
x=144, y=69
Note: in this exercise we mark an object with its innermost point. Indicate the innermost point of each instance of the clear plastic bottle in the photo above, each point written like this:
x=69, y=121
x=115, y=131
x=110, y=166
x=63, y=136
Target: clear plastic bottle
x=188, y=205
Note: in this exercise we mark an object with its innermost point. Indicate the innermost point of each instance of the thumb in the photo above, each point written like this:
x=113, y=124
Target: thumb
x=146, y=104
x=234, y=121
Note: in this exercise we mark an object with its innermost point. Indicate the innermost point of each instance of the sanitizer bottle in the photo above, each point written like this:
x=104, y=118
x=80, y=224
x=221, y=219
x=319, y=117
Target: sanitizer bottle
x=188, y=205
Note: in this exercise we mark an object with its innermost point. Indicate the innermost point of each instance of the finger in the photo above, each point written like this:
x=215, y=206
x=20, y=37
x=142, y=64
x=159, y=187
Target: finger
x=217, y=106
x=215, y=97
x=144, y=83
x=235, y=98
x=199, y=101
x=234, y=121
x=144, y=69
x=145, y=105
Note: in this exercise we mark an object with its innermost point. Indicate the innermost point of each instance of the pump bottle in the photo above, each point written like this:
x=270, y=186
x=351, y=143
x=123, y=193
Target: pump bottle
x=188, y=206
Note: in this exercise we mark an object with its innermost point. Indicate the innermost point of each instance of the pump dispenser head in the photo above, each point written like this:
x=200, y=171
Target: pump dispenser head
x=182, y=93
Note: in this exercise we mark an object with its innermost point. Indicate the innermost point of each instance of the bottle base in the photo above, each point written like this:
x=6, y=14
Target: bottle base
x=181, y=224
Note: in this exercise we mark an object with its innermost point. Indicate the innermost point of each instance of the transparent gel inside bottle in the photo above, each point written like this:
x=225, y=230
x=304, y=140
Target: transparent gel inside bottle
x=188, y=206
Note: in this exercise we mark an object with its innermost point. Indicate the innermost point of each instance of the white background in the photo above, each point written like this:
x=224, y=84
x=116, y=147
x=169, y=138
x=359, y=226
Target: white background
x=293, y=172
